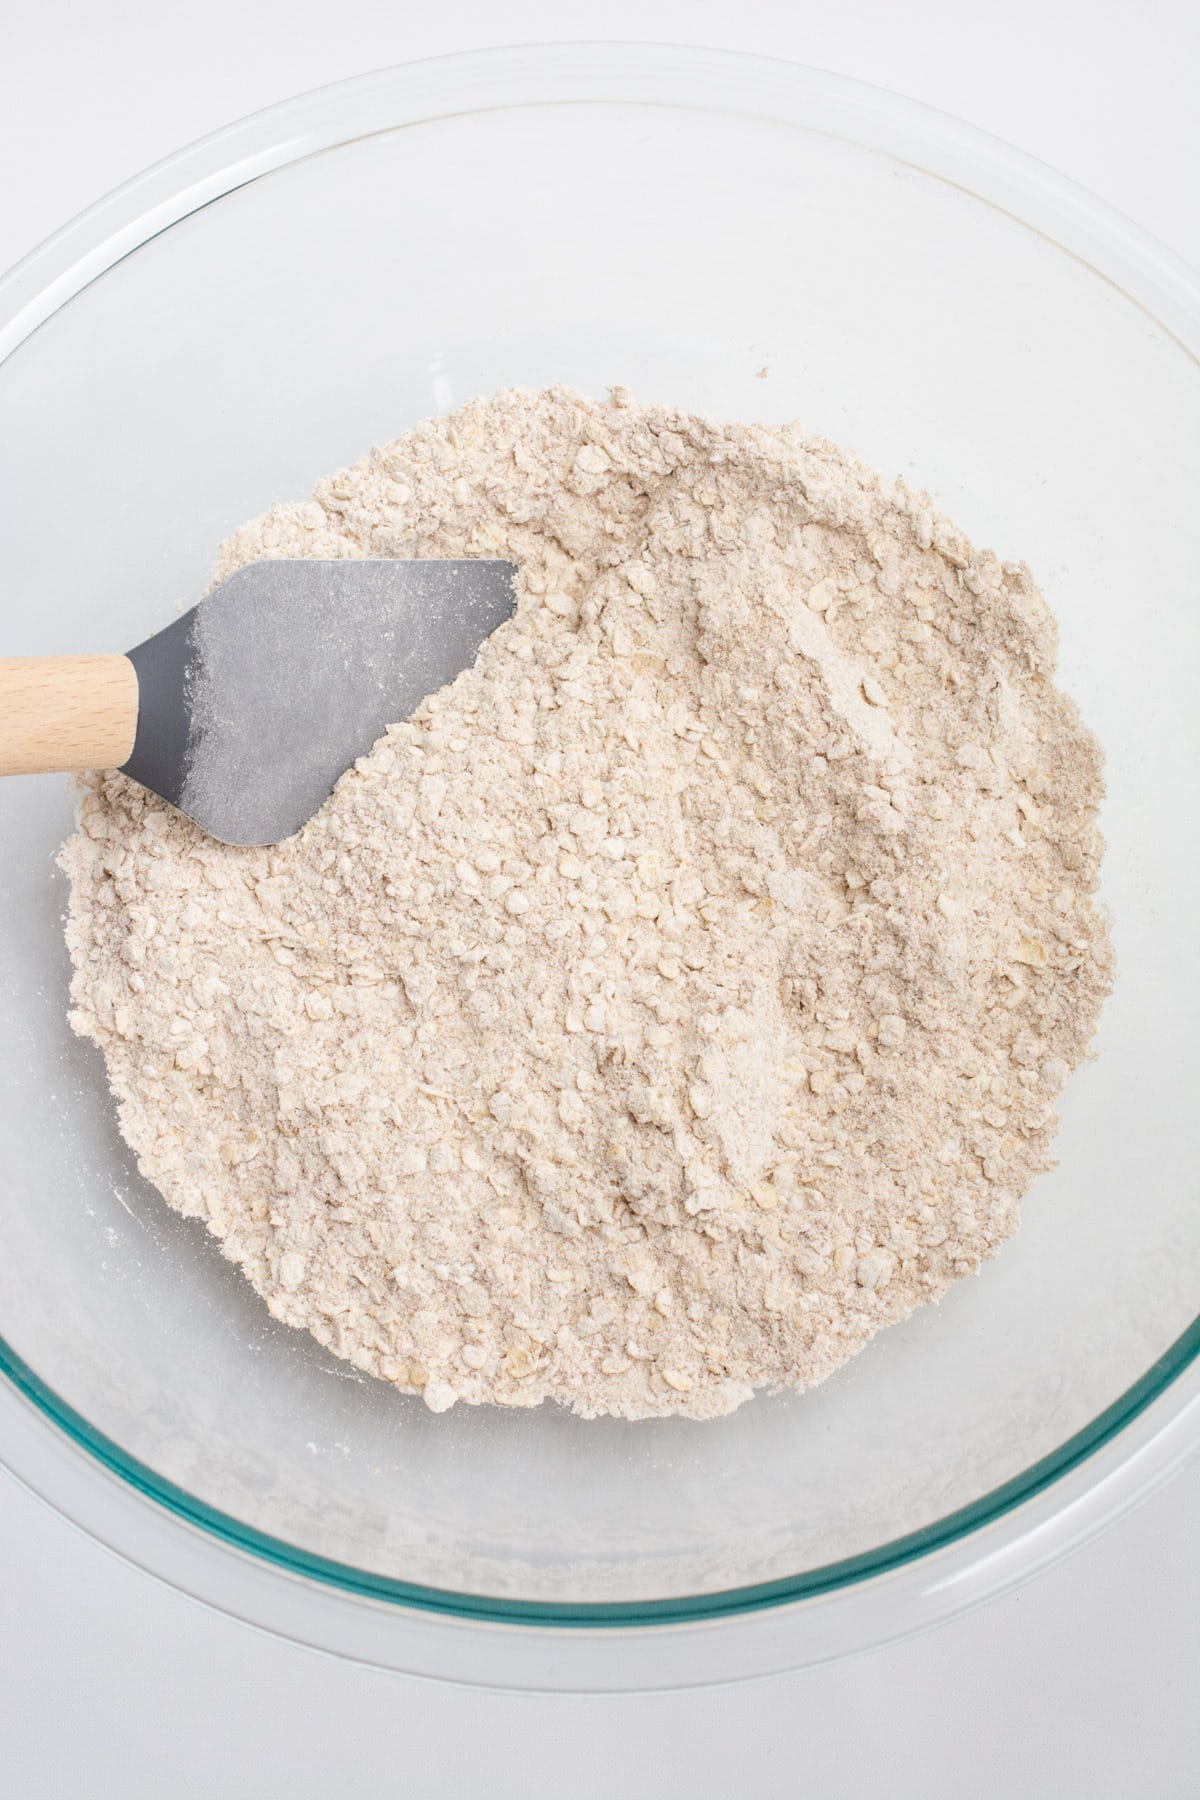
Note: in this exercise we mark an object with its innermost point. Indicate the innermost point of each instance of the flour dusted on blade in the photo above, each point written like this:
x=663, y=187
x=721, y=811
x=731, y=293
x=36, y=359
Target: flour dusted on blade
x=679, y=996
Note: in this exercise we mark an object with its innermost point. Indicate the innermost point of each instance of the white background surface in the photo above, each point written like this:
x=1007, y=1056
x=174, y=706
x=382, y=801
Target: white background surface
x=1084, y=1683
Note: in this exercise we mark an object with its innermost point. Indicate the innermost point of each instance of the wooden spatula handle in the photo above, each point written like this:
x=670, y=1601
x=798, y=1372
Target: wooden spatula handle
x=66, y=712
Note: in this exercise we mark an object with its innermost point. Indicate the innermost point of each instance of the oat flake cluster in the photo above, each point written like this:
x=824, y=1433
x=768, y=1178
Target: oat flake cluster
x=680, y=996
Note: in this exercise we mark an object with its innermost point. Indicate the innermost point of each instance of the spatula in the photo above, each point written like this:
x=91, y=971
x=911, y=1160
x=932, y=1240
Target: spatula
x=244, y=712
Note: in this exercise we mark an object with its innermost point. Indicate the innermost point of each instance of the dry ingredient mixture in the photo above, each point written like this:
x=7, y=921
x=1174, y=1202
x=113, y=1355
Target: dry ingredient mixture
x=681, y=995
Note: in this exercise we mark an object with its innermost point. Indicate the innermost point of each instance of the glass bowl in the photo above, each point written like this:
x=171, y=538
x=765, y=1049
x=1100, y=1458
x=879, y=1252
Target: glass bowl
x=753, y=240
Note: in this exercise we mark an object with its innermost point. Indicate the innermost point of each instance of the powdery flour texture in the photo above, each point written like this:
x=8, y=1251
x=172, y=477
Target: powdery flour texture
x=681, y=995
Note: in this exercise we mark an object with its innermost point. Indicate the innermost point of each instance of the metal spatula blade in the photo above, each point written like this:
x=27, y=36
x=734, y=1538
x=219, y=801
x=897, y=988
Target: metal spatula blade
x=253, y=704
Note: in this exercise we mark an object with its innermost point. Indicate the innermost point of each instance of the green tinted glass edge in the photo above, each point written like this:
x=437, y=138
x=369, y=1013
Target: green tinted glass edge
x=692, y=1609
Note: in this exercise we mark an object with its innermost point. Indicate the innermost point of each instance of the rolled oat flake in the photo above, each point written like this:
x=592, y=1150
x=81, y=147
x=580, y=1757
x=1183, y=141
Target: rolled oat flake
x=678, y=997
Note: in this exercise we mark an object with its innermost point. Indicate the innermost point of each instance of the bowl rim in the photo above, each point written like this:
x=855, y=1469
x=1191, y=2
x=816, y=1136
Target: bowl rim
x=1118, y=252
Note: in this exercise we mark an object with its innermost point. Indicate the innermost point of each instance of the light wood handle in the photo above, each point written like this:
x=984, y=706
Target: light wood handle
x=66, y=712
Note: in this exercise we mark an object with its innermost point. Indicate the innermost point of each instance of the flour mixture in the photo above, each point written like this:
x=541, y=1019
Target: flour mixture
x=676, y=999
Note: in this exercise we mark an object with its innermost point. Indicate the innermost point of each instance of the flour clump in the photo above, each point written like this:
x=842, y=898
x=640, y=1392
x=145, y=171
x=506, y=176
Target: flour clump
x=678, y=997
